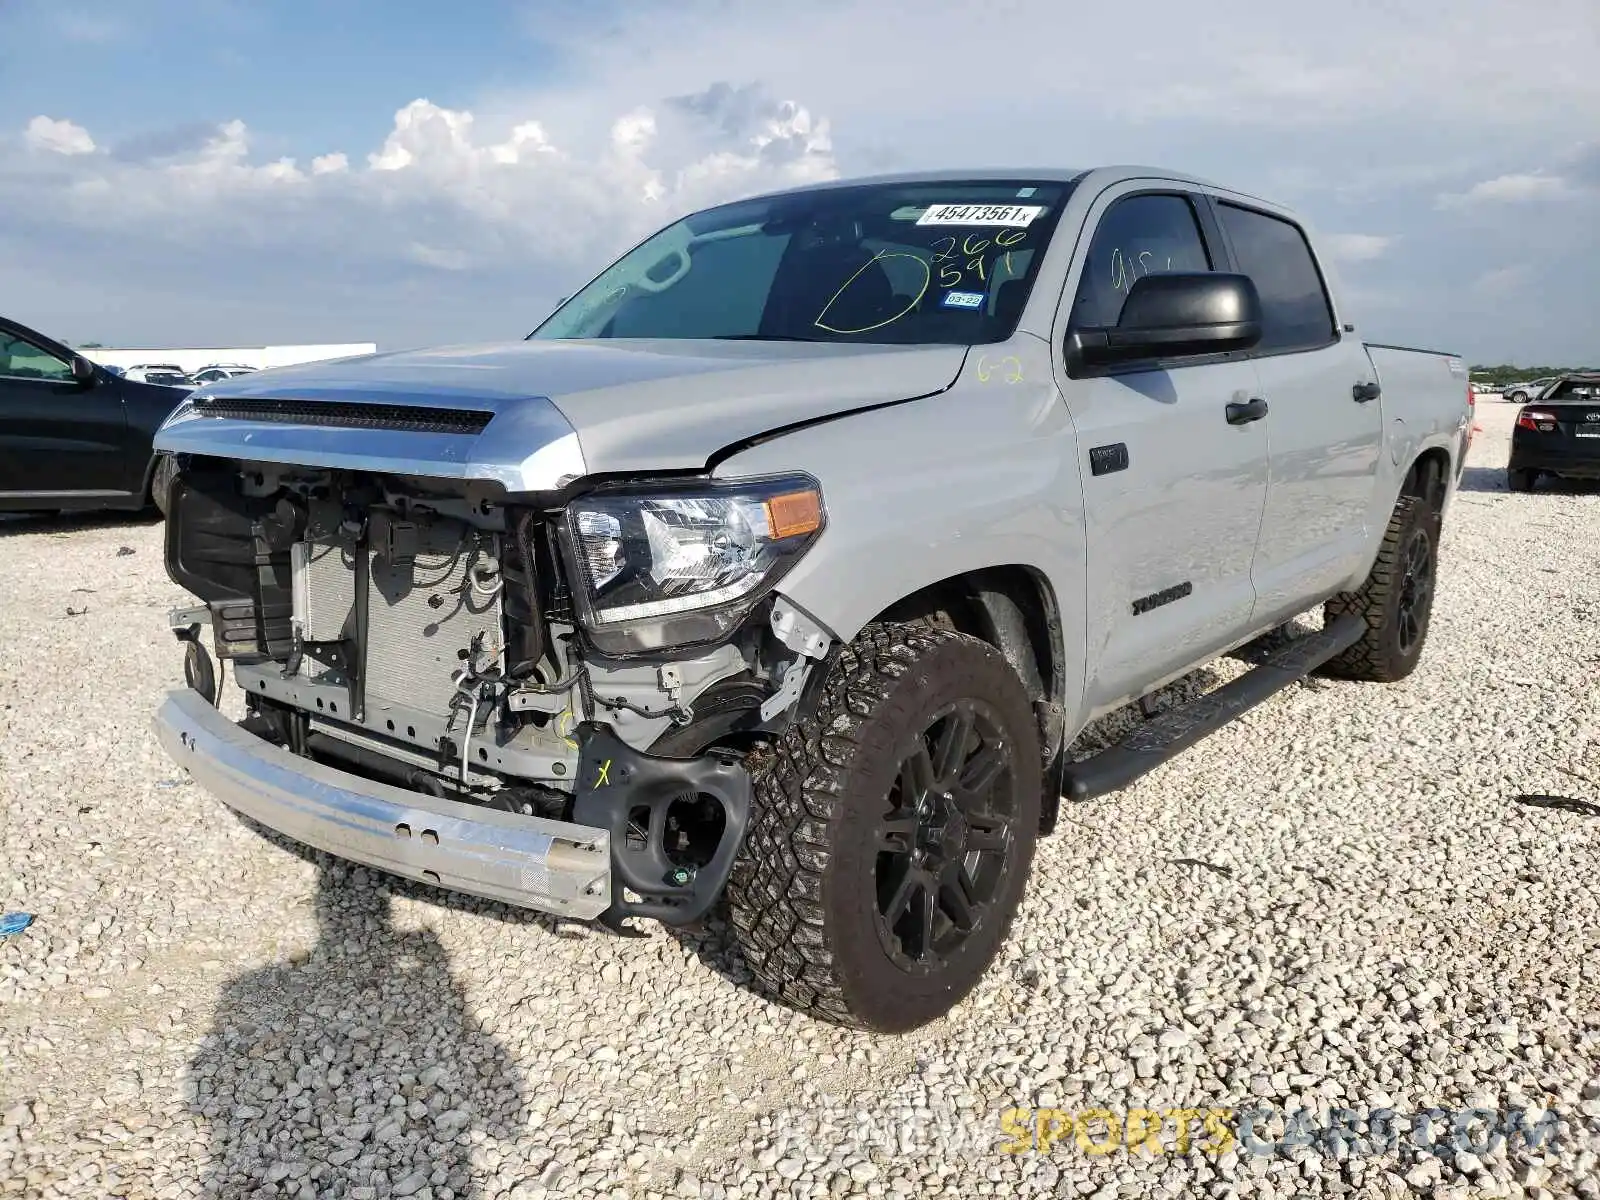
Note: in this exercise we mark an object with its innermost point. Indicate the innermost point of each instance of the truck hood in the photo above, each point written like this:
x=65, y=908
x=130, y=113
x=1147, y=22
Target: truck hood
x=555, y=409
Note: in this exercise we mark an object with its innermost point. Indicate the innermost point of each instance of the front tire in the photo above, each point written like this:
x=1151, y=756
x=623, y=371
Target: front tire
x=161, y=481
x=1396, y=601
x=892, y=832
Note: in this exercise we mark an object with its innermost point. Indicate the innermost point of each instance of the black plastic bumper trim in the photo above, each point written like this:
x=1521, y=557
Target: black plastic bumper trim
x=614, y=779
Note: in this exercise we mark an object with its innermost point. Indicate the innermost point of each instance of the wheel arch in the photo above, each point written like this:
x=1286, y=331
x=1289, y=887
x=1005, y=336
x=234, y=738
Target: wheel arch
x=1428, y=477
x=1013, y=608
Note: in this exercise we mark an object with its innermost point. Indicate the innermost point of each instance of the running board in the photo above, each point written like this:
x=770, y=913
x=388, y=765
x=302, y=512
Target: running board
x=1163, y=738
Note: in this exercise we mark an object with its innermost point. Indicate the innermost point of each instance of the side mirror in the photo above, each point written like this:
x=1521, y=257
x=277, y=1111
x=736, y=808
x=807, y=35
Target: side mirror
x=83, y=371
x=1175, y=315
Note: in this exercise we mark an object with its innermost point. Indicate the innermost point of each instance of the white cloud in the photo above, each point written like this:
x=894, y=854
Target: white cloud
x=58, y=137
x=1357, y=247
x=89, y=27
x=433, y=256
x=438, y=192
x=917, y=65
x=1503, y=280
x=1509, y=189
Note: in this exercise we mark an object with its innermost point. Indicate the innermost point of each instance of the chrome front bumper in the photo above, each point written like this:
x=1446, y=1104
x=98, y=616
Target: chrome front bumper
x=551, y=866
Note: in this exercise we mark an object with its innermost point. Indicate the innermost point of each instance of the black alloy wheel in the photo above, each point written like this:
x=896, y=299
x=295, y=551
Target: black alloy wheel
x=1416, y=591
x=943, y=839
x=1395, y=602
x=892, y=831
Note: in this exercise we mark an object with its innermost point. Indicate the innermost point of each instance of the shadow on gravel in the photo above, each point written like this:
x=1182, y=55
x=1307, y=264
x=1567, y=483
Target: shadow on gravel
x=711, y=941
x=1583, y=808
x=1483, y=479
x=358, y=1066
x=16, y=524
x=1493, y=479
x=439, y=897
x=1215, y=868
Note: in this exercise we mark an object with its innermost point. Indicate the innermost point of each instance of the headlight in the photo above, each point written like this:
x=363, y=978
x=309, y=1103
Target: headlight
x=674, y=568
x=182, y=412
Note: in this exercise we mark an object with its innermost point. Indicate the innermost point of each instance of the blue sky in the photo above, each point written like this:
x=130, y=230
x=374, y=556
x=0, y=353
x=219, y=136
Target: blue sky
x=302, y=72
x=214, y=171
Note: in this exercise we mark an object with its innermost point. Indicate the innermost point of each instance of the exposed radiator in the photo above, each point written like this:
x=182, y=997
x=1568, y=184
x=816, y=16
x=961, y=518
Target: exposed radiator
x=324, y=589
x=423, y=612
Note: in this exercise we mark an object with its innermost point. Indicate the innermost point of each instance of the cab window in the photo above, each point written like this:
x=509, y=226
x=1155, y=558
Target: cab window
x=1295, y=314
x=1138, y=236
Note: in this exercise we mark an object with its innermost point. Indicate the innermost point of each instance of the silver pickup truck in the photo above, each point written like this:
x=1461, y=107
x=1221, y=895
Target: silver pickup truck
x=785, y=562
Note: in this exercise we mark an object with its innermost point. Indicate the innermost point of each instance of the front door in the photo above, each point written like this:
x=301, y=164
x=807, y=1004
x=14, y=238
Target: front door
x=58, y=438
x=1173, y=491
x=1325, y=443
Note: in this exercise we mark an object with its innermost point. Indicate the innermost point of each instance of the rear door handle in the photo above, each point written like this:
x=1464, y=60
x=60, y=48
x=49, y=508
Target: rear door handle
x=1243, y=414
x=1366, y=391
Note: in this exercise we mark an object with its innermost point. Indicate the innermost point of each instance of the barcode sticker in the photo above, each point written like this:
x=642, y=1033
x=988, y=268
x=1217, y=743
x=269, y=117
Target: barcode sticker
x=980, y=214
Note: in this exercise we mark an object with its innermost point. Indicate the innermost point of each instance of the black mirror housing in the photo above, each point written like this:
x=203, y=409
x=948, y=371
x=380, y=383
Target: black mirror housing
x=1175, y=315
x=84, y=371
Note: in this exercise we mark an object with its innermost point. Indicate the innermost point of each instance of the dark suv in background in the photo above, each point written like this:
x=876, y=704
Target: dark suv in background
x=75, y=436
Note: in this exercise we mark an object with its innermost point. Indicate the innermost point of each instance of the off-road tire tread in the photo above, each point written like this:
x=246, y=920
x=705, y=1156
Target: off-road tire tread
x=776, y=887
x=161, y=481
x=1369, y=660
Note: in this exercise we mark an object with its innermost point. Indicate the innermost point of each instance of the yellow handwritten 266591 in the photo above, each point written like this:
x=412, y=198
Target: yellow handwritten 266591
x=949, y=250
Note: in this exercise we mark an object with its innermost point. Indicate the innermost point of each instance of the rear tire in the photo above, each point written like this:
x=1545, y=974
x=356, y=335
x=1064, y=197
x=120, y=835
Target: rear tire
x=1396, y=601
x=1520, y=479
x=892, y=832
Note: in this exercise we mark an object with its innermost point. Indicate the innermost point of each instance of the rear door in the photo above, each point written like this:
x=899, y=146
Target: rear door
x=1326, y=435
x=59, y=440
x=1173, y=492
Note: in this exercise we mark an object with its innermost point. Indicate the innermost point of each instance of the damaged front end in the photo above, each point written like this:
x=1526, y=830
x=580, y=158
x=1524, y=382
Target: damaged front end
x=548, y=698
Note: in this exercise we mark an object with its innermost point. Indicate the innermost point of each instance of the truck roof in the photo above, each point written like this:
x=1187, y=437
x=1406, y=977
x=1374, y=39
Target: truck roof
x=1104, y=174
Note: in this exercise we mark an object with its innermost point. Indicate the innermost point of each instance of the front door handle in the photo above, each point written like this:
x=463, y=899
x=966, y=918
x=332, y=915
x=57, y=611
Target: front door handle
x=1243, y=414
x=1366, y=391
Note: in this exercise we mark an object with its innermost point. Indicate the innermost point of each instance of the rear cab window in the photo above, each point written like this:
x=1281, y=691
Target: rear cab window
x=1295, y=311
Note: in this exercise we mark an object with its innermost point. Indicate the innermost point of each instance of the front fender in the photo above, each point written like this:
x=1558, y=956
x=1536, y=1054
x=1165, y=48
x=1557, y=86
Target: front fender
x=984, y=475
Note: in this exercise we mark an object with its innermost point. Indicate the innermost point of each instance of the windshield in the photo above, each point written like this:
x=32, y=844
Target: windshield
x=906, y=263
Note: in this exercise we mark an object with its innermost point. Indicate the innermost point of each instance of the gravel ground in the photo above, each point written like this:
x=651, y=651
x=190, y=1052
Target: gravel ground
x=1359, y=896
